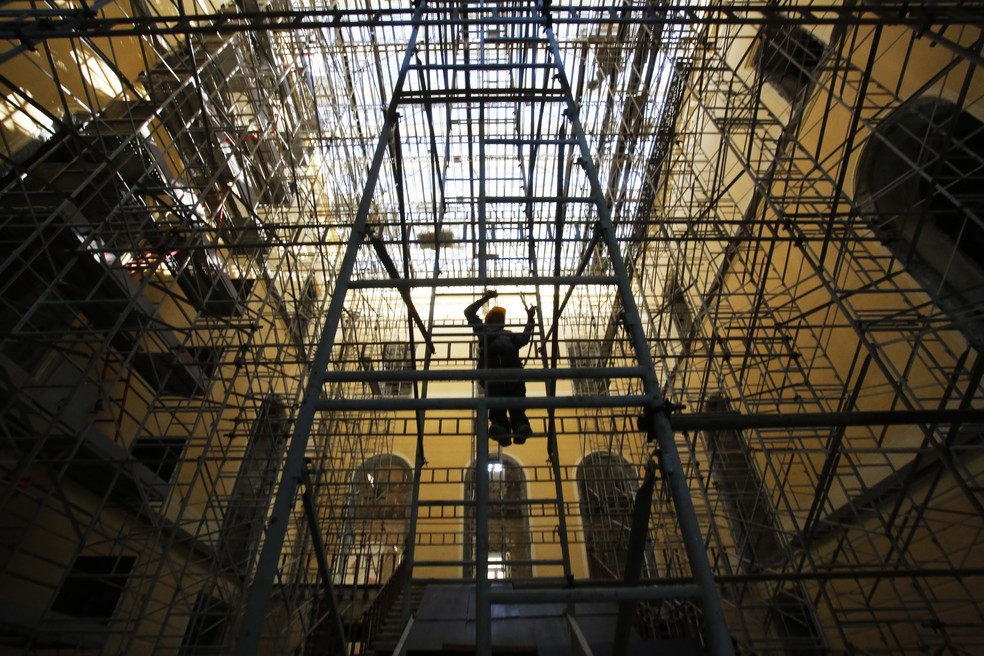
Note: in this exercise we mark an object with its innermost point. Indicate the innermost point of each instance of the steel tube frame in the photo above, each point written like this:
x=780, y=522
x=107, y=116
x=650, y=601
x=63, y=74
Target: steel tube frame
x=471, y=403
x=718, y=636
x=483, y=609
x=778, y=432
x=719, y=421
x=638, y=539
x=490, y=280
x=426, y=375
x=842, y=302
x=70, y=24
x=439, y=180
x=577, y=636
x=595, y=594
x=470, y=562
x=324, y=569
x=401, y=644
x=267, y=567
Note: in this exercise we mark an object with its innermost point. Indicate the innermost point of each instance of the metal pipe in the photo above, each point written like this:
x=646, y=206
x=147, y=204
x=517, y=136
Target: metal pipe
x=338, y=629
x=491, y=281
x=380, y=247
x=915, y=16
x=267, y=568
x=461, y=403
x=470, y=562
x=577, y=636
x=498, y=502
x=401, y=644
x=718, y=636
x=845, y=572
x=480, y=374
x=595, y=594
x=483, y=609
x=734, y=421
x=636, y=556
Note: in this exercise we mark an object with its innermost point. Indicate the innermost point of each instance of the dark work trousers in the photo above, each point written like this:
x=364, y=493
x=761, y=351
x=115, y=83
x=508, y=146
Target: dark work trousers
x=508, y=418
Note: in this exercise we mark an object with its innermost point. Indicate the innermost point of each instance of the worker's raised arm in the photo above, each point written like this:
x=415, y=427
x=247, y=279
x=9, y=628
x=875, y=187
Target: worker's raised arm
x=530, y=323
x=471, y=312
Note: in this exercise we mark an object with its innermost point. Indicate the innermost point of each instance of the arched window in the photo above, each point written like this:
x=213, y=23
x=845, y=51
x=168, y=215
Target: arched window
x=509, y=524
x=788, y=57
x=242, y=526
x=738, y=483
x=757, y=536
x=607, y=485
x=919, y=183
x=376, y=517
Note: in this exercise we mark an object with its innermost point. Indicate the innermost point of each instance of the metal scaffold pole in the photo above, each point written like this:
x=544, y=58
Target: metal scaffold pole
x=718, y=637
x=264, y=580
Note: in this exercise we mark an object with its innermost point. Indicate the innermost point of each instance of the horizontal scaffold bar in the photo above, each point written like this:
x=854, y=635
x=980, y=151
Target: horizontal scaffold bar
x=460, y=403
x=566, y=595
x=484, y=66
x=67, y=22
x=453, y=503
x=491, y=281
x=569, y=200
x=517, y=141
x=698, y=421
x=505, y=96
x=472, y=563
x=721, y=421
x=400, y=375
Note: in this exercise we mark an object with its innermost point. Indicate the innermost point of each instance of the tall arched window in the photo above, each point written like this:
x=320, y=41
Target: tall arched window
x=242, y=525
x=509, y=523
x=788, y=57
x=607, y=485
x=919, y=184
x=376, y=517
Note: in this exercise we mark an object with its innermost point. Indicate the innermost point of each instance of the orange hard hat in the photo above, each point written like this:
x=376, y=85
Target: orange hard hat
x=496, y=315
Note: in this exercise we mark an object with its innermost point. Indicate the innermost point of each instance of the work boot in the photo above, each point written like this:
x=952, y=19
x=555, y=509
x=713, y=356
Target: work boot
x=521, y=433
x=500, y=434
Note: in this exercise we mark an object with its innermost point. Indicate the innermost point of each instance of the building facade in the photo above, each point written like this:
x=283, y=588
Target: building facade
x=241, y=412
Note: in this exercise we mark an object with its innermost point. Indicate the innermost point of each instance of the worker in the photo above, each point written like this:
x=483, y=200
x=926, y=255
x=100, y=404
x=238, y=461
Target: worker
x=498, y=348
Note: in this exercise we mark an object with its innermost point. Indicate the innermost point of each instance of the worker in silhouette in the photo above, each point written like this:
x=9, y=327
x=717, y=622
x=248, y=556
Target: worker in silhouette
x=498, y=348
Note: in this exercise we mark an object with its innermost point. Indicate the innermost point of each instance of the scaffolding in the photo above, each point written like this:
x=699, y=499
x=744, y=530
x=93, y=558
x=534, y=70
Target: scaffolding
x=241, y=412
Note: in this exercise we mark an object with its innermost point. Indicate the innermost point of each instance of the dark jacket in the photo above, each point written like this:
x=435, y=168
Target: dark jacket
x=498, y=348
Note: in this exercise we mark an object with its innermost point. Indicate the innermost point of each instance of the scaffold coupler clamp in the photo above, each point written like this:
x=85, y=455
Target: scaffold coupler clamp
x=647, y=419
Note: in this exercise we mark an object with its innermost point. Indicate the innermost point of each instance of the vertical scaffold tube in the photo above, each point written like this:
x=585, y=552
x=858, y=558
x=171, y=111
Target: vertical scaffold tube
x=268, y=564
x=717, y=635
